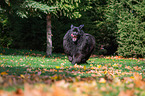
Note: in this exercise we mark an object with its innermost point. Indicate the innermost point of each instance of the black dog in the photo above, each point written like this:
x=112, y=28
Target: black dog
x=78, y=45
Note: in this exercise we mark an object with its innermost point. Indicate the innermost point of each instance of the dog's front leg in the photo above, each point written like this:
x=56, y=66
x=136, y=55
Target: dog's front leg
x=77, y=58
x=70, y=58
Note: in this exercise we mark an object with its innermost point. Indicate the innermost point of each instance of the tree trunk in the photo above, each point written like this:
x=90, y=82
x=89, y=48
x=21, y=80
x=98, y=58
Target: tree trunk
x=48, y=34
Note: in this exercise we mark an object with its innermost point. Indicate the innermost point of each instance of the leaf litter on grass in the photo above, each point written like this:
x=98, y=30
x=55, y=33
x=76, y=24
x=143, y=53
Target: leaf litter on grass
x=83, y=88
x=75, y=86
x=110, y=77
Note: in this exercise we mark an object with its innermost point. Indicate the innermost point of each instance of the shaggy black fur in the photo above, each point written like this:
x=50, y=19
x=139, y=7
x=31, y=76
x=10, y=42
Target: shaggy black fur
x=78, y=45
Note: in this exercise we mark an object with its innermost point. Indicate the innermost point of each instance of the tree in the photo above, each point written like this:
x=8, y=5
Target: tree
x=129, y=19
x=131, y=30
x=26, y=8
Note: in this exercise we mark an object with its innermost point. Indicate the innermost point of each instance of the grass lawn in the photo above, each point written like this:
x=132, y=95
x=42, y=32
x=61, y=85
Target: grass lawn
x=35, y=73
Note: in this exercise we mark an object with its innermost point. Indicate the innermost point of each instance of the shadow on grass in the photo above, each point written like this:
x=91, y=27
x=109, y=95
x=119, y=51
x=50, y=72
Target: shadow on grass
x=23, y=52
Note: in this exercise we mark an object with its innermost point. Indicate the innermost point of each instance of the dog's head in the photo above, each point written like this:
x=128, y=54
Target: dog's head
x=76, y=32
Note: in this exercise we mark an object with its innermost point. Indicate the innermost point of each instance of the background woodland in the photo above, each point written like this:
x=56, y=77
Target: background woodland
x=117, y=25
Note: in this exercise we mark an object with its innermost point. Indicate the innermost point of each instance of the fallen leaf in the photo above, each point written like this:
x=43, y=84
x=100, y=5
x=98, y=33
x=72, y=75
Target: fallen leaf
x=4, y=73
x=105, y=72
x=1, y=80
x=126, y=93
x=19, y=92
x=128, y=67
x=57, y=67
x=98, y=66
x=84, y=67
x=58, y=91
x=102, y=80
x=115, y=65
x=39, y=73
x=138, y=81
x=137, y=68
x=54, y=77
x=22, y=76
x=130, y=85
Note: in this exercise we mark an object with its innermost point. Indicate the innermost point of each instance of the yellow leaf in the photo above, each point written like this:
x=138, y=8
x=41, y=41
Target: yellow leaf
x=57, y=67
x=115, y=65
x=4, y=73
x=132, y=77
x=55, y=70
x=102, y=80
x=44, y=56
x=85, y=67
x=98, y=66
x=105, y=72
x=92, y=67
x=22, y=76
x=54, y=77
x=91, y=64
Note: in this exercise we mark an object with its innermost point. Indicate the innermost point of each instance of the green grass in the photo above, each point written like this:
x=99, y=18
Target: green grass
x=30, y=66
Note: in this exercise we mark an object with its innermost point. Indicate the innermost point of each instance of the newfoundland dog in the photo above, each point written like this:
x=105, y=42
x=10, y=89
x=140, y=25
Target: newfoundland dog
x=78, y=45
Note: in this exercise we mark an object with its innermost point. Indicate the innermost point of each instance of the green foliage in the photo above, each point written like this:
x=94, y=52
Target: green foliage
x=114, y=23
x=128, y=19
x=102, y=28
x=26, y=8
x=91, y=14
x=26, y=34
x=25, y=31
x=5, y=38
x=131, y=36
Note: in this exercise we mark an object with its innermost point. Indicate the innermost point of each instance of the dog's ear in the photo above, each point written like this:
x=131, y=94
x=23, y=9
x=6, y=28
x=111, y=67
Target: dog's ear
x=81, y=26
x=72, y=25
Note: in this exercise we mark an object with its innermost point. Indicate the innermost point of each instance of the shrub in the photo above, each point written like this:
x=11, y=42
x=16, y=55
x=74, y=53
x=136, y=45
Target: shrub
x=131, y=36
